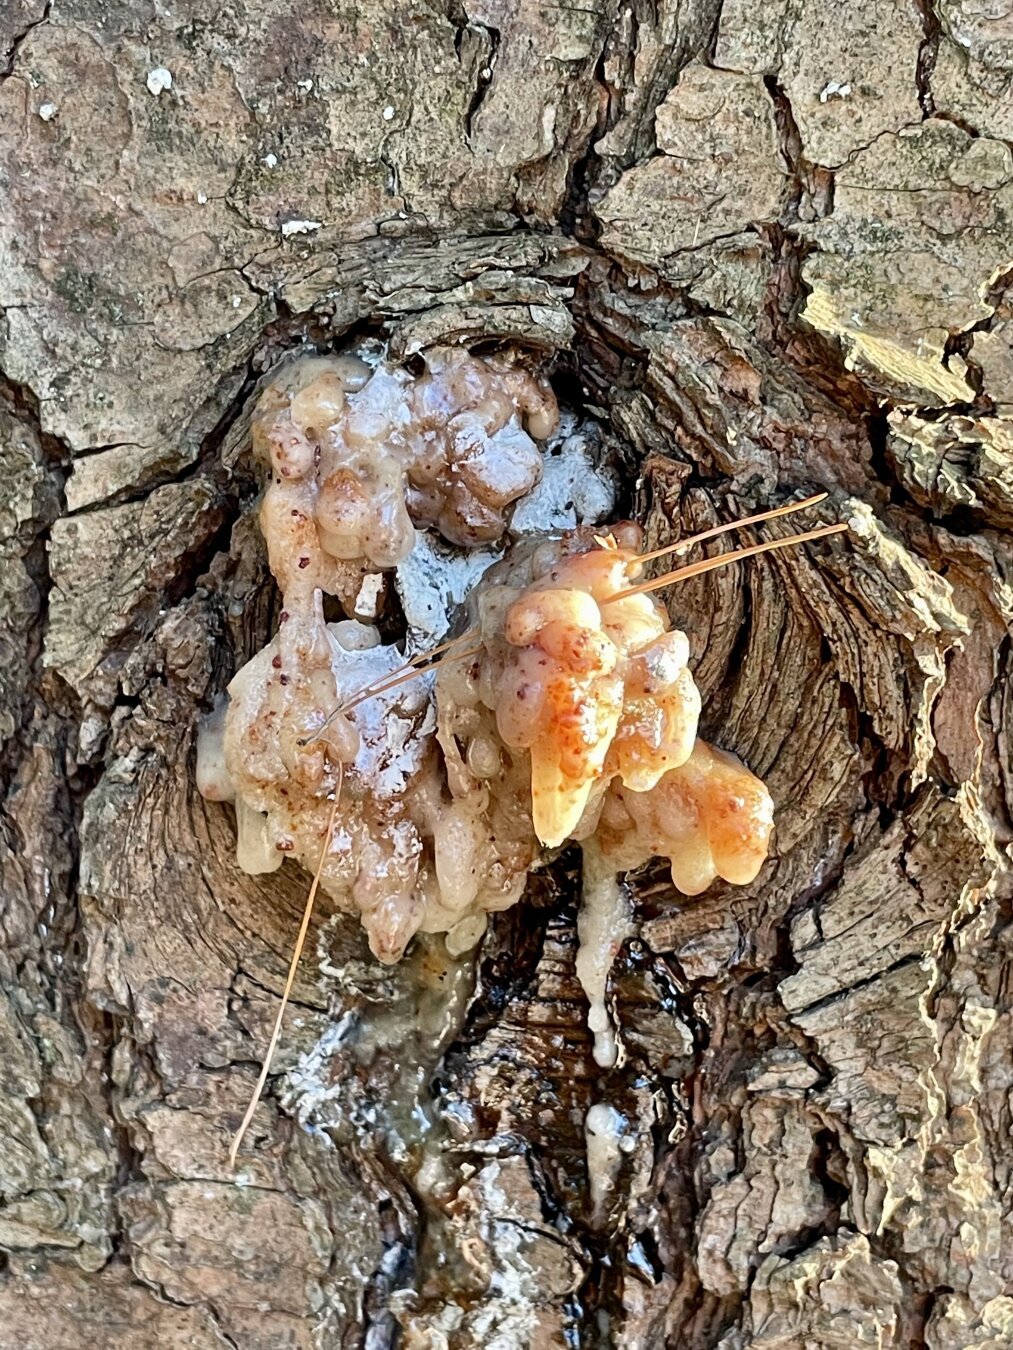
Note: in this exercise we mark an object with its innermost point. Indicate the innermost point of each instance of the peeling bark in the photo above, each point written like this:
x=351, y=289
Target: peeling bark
x=766, y=249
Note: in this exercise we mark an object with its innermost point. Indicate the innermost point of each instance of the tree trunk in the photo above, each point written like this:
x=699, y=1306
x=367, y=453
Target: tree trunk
x=766, y=248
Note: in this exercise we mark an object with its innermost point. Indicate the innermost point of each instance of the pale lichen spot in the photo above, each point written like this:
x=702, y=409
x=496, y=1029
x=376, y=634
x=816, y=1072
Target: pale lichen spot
x=158, y=80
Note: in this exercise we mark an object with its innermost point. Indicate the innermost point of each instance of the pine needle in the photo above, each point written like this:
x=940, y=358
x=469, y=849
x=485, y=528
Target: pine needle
x=300, y=942
x=722, y=560
x=788, y=510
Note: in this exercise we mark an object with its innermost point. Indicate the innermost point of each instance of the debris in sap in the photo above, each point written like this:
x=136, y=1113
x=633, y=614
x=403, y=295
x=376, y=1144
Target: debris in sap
x=367, y=602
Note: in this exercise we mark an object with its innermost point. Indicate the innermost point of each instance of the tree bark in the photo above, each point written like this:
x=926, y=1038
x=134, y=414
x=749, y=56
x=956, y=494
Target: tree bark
x=766, y=248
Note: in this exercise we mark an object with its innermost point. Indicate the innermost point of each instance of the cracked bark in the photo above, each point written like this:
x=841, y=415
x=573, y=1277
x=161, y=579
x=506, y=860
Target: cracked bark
x=817, y=1066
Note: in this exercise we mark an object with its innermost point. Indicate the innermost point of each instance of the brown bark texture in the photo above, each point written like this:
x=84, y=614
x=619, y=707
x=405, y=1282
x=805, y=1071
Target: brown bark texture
x=766, y=249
